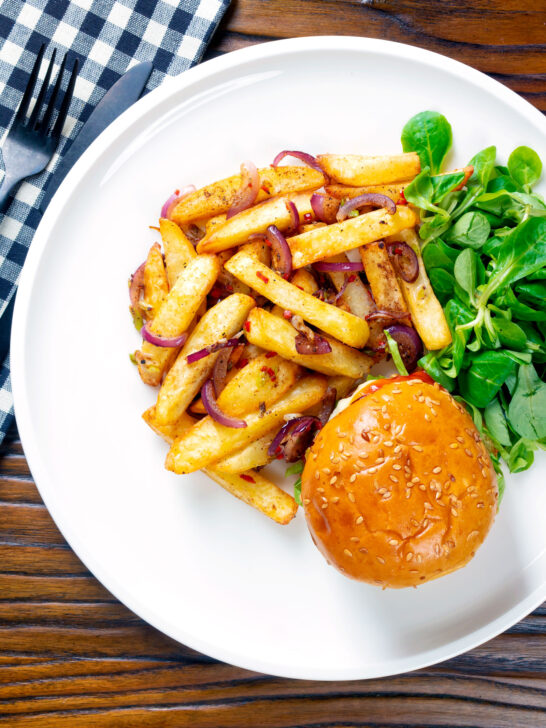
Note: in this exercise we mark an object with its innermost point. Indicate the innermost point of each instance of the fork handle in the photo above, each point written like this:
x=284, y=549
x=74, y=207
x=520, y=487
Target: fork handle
x=8, y=184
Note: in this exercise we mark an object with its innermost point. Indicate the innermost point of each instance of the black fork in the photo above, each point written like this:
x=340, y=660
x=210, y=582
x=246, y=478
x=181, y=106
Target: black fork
x=32, y=141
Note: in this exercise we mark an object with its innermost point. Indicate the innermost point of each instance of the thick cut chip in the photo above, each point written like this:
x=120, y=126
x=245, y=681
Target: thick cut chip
x=343, y=325
x=273, y=332
x=176, y=314
x=382, y=278
x=394, y=191
x=324, y=242
x=183, y=381
x=218, y=197
x=208, y=441
x=255, y=455
x=178, y=249
x=358, y=171
x=156, y=286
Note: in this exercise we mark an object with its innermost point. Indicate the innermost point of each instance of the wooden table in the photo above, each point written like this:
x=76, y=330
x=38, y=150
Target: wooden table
x=71, y=655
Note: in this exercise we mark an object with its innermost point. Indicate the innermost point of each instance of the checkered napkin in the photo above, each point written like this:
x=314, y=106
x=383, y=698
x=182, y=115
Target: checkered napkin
x=107, y=37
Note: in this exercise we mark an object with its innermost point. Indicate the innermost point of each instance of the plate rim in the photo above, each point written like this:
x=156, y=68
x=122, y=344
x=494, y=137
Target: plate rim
x=170, y=87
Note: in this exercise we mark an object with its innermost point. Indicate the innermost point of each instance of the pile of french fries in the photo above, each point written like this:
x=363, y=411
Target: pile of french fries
x=226, y=285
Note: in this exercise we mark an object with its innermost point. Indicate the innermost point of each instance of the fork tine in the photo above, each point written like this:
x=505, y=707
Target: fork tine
x=45, y=85
x=25, y=101
x=53, y=98
x=63, y=111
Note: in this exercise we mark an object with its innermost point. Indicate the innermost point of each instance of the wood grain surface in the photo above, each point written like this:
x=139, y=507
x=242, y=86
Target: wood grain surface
x=72, y=656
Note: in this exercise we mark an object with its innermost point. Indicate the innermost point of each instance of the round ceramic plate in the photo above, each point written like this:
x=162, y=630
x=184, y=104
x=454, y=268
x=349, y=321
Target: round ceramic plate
x=179, y=551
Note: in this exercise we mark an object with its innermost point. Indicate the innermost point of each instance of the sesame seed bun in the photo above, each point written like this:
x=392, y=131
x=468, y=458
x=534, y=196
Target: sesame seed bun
x=398, y=488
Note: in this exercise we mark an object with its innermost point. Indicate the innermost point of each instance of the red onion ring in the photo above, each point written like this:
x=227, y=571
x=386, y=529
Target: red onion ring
x=308, y=159
x=342, y=289
x=410, y=345
x=170, y=343
x=174, y=199
x=316, y=345
x=386, y=315
x=294, y=438
x=405, y=261
x=219, y=371
x=212, y=348
x=281, y=256
x=246, y=195
x=369, y=198
x=294, y=217
x=341, y=267
x=211, y=405
x=136, y=286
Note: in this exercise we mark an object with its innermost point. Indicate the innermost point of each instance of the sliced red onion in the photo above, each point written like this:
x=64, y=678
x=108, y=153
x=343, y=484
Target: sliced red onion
x=281, y=256
x=246, y=195
x=219, y=371
x=369, y=198
x=341, y=267
x=174, y=199
x=136, y=286
x=386, y=315
x=342, y=289
x=294, y=437
x=167, y=342
x=294, y=217
x=328, y=404
x=308, y=159
x=194, y=233
x=317, y=203
x=405, y=261
x=410, y=345
x=316, y=345
x=211, y=405
x=202, y=353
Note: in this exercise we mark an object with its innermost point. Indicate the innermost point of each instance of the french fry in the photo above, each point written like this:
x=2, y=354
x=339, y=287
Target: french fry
x=175, y=315
x=253, y=489
x=260, y=250
x=218, y=197
x=382, y=278
x=323, y=242
x=273, y=332
x=258, y=492
x=426, y=311
x=358, y=171
x=252, y=456
x=178, y=249
x=305, y=280
x=208, y=441
x=344, y=326
x=394, y=191
x=184, y=380
x=156, y=286
x=257, y=219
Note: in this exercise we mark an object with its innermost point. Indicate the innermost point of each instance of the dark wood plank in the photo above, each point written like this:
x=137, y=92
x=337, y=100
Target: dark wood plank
x=71, y=655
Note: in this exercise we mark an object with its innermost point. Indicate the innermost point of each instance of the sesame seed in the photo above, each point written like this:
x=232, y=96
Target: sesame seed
x=472, y=534
x=324, y=498
x=324, y=505
x=479, y=505
x=437, y=469
x=306, y=501
x=422, y=487
x=393, y=478
x=417, y=448
x=355, y=539
x=484, y=473
x=437, y=550
x=351, y=497
x=453, y=445
x=434, y=412
x=335, y=461
x=379, y=461
x=340, y=448
x=396, y=467
x=372, y=470
x=317, y=475
x=408, y=493
x=382, y=491
x=393, y=542
x=397, y=448
x=342, y=434
x=396, y=391
x=419, y=558
x=427, y=417
x=468, y=452
x=425, y=523
x=421, y=399
x=427, y=506
x=359, y=520
x=352, y=478
x=415, y=479
x=409, y=556
x=333, y=479
x=460, y=439
x=388, y=443
x=326, y=471
x=469, y=431
x=454, y=511
x=320, y=490
x=363, y=550
x=335, y=499
x=380, y=559
x=347, y=552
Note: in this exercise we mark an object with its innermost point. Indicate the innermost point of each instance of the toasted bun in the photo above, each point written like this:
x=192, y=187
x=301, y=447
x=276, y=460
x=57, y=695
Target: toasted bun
x=398, y=488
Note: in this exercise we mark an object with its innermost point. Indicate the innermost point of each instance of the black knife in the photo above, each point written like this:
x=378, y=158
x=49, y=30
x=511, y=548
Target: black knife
x=115, y=101
x=118, y=99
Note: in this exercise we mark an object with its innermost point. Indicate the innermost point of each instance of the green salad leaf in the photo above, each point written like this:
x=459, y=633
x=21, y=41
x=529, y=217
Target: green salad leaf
x=429, y=134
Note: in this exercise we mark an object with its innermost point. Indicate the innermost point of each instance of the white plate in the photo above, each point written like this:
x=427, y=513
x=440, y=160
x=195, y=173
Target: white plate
x=180, y=552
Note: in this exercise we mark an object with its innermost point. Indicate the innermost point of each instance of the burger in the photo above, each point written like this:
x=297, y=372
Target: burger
x=398, y=487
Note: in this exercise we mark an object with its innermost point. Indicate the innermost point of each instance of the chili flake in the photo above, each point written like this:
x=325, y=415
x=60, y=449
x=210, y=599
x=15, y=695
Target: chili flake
x=261, y=276
x=248, y=478
x=270, y=373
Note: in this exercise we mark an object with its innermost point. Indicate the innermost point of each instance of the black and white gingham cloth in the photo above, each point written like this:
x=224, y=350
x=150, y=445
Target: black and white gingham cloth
x=107, y=37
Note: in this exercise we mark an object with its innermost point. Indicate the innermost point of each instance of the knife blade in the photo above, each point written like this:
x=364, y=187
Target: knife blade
x=115, y=101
